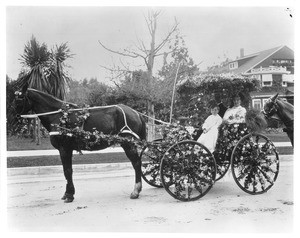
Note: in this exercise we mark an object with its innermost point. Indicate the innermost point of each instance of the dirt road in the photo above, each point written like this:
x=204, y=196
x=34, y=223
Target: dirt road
x=102, y=204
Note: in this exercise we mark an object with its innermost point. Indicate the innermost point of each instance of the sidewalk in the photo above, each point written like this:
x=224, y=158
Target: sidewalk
x=26, y=153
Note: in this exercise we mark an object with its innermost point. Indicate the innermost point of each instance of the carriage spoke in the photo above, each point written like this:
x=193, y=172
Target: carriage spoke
x=192, y=169
x=255, y=165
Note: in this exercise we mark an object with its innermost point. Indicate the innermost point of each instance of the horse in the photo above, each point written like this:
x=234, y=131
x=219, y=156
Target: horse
x=111, y=120
x=281, y=110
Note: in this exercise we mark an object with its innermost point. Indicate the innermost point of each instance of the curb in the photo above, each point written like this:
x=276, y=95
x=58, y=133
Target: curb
x=55, y=173
x=28, y=153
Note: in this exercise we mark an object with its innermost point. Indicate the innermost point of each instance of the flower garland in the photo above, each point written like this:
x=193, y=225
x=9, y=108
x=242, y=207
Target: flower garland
x=71, y=126
x=229, y=135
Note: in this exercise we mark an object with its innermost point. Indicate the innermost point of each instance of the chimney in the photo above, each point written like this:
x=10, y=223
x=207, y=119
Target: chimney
x=242, y=53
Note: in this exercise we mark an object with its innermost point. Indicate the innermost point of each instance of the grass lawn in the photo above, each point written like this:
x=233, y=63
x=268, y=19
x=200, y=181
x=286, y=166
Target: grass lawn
x=16, y=143
x=51, y=160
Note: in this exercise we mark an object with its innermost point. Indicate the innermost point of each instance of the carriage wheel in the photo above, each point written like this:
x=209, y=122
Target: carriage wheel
x=188, y=170
x=151, y=157
x=222, y=168
x=255, y=163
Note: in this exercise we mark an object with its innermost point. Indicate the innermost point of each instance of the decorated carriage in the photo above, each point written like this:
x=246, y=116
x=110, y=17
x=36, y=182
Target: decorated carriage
x=185, y=168
x=188, y=170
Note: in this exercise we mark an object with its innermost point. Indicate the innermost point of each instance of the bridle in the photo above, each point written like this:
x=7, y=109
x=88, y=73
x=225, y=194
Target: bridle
x=21, y=98
x=269, y=113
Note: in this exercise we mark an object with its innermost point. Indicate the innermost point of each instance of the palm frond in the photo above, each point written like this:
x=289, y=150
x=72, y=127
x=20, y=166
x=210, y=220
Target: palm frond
x=61, y=53
x=35, y=54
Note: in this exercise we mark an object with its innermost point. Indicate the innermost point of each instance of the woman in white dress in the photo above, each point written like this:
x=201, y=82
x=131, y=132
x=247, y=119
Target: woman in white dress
x=210, y=129
x=231, y=131
x=235, y=114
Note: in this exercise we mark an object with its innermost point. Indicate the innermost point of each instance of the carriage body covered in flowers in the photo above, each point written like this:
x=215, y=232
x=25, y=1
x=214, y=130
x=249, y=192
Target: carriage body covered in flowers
x=188, y=170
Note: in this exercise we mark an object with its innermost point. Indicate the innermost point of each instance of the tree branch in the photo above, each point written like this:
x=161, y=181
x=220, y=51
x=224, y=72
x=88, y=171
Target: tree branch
x=167, y=38
x=117, y=52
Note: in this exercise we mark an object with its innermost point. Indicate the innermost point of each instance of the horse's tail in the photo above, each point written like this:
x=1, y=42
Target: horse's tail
x=143, y=132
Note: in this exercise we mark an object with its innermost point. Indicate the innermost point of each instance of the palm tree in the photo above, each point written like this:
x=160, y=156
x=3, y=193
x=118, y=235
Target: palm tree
x=44, y=69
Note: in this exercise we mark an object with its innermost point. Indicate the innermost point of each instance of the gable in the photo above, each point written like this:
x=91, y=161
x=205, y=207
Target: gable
x=284, y=53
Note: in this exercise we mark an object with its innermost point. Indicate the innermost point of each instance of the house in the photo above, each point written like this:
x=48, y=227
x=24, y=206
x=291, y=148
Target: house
x=273, y=67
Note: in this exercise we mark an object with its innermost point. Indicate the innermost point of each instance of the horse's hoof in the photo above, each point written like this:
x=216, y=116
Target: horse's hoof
x=134, y=196
x=68, y=200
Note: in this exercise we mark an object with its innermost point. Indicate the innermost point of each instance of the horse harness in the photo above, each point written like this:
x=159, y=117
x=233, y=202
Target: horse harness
x=272, y=110
x=124, y=130
x=289, y=124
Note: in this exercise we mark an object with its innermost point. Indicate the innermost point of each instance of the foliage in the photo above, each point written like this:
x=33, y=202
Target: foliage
x=12, y=124
x=181, y=67
x=91, y=92
x=179, y=54
x=194, y=95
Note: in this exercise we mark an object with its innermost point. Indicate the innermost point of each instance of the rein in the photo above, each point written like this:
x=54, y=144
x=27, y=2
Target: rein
x=125, y=128
x=89, y=108
x=40, y=114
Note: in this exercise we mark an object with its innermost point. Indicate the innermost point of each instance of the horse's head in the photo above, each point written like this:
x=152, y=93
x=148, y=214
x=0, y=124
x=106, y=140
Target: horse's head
x=21, y=103
x=270, y=107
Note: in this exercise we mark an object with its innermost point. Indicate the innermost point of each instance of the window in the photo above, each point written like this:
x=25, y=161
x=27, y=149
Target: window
x=267, y=84
x=264, y=101
x=233, y=65
x=267, y=80
x=284, y=84
x=256, y=104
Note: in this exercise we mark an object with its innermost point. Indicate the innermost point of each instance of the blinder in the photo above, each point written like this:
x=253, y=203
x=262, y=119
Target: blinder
x=272, y=108
x=21, y=101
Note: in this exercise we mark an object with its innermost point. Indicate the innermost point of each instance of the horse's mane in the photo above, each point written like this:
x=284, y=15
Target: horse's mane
x=286, y=104
x=286, y=108
x=52, y=97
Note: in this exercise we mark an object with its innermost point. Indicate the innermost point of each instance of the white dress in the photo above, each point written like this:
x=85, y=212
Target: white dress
x=209, y=138
x=235, y=115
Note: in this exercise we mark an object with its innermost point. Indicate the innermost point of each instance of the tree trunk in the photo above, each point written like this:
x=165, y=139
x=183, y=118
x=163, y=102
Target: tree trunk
x=151, y=121
x=38, y=132
x=150, y=104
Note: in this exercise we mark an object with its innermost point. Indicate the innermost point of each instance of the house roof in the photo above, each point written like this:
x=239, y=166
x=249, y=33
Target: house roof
x=256, y=59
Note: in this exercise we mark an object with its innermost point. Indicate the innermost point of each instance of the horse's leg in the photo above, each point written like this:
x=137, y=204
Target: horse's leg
x=132, y=154
x=66, y=159
x=290, y=133
x=291, y=136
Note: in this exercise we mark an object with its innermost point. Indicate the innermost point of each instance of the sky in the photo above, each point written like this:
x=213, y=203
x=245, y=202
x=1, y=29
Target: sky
x=211, y=33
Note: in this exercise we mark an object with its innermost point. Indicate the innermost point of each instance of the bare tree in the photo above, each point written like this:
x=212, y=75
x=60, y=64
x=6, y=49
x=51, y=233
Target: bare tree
x=148, y=56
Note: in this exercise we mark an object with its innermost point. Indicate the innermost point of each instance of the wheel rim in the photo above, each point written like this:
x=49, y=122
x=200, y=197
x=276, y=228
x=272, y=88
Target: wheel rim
x=222, y=169
x=151, y=157
x=255, y=164
x=187, y=170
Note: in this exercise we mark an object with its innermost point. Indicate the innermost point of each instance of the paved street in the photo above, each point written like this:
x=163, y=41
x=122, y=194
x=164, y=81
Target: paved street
x=102, y=203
